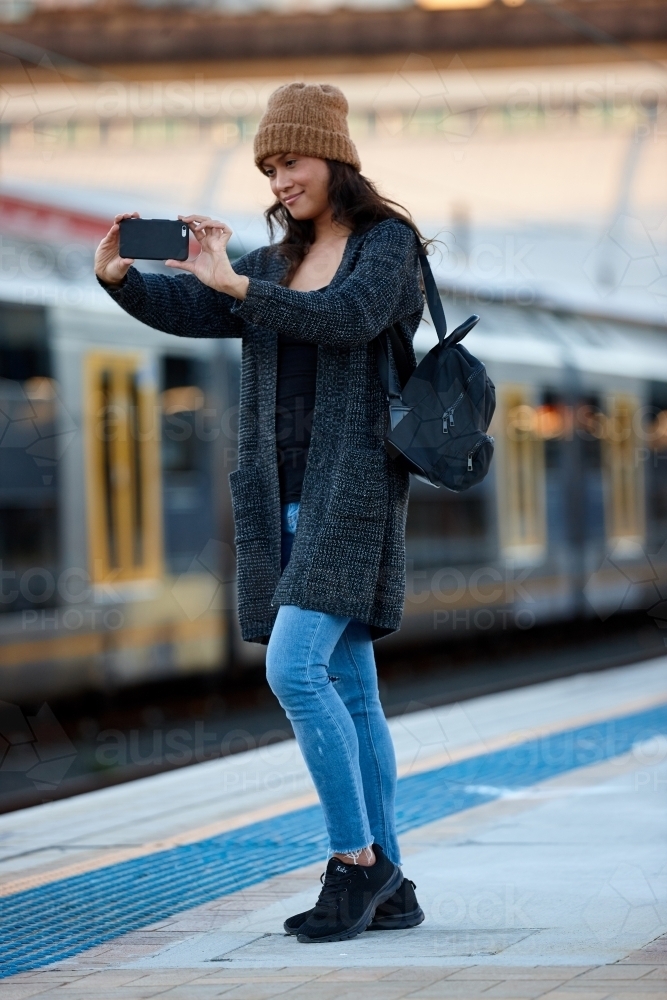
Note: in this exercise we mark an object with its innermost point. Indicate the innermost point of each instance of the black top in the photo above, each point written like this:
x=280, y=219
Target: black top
x=295, y=403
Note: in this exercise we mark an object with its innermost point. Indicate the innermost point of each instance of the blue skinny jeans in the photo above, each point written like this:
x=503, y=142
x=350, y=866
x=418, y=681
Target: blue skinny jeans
x=322, y=670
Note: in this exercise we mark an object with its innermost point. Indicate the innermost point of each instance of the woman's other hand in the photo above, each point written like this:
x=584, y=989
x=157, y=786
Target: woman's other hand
x=110, y=267
x=212, y=265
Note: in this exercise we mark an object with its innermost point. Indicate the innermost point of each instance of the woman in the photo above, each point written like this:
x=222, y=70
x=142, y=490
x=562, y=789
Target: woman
x=319, y=511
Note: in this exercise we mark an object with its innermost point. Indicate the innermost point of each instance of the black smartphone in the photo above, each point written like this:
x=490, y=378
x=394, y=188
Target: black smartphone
x=154, y=239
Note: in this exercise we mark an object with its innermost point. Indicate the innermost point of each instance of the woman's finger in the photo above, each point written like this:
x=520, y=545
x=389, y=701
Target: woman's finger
x=197, y=217
x=198, y=222
x=183, y=265
x=199, y=234
x=195, y=222
x=214, y=224
x=198, y=230
x=126, y=215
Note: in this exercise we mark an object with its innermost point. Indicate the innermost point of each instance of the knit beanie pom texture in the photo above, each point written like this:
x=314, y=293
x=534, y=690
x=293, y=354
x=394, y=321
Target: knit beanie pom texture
x=309, y=119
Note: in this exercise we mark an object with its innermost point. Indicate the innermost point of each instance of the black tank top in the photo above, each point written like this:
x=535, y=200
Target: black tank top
x=295, y=403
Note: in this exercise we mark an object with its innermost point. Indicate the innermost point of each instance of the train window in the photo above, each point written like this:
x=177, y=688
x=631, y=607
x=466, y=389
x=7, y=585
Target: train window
x=28, y=461
x=624, y=498
x=520, y=475
x=24, y=350
x=28, y=556
x=187, y=449
x=572, y=433
x=653, y=457
x=181, y=398
x=445, y=527
x=124, y=528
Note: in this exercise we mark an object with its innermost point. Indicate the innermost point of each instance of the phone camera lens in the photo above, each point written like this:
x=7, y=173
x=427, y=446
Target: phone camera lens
x=184, y=230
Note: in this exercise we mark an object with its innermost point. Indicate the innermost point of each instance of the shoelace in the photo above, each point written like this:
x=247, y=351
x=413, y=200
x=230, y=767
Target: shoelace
x=334, y=884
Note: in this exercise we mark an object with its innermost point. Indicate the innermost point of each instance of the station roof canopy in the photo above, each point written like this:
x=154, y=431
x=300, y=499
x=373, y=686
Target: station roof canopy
x=78, y=36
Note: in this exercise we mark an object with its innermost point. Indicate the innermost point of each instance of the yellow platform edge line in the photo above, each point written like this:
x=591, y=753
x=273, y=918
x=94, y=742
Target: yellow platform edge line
x=275, y=809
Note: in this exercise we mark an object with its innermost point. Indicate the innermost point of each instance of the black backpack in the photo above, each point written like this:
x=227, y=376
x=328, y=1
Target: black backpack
x=440, y=411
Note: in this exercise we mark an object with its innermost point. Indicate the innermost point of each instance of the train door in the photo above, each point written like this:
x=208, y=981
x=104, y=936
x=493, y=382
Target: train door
x=653, y=457
x=122, y=468
x=520, y=471
x=624, y=502
x=31, y=442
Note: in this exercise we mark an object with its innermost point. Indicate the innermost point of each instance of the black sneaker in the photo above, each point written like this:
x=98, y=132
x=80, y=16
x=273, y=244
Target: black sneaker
x=349, y=897
x=400, y=911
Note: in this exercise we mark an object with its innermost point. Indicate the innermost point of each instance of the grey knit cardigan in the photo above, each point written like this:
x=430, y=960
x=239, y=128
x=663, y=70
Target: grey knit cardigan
x=348, y=556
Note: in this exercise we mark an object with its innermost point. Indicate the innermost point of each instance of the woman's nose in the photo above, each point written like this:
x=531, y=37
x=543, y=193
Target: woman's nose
x=284, y=182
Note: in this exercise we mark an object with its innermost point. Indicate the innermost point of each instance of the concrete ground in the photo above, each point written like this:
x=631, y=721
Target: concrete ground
x=554, y=890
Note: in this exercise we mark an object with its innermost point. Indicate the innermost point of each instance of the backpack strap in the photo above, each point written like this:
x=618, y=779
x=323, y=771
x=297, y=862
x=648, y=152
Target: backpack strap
x=392, y=382
x=432, y=297
x=436, y=310
x=394, y=366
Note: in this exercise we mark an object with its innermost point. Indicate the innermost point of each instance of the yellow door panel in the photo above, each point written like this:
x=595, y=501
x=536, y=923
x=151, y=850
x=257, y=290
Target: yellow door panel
x=122, y=469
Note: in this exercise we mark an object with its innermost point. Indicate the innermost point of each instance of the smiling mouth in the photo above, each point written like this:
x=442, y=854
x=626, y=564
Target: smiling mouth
x=288, y=201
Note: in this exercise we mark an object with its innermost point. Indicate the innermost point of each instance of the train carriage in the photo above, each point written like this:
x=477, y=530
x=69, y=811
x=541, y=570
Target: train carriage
x=116, y=541
x=571, y=520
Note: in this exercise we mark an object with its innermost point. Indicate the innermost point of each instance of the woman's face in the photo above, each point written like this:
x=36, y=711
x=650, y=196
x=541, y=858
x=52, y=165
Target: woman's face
x=300, y=183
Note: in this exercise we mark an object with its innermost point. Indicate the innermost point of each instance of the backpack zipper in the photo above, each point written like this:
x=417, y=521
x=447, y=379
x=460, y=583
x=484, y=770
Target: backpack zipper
x=471, y=454
x=448, y=415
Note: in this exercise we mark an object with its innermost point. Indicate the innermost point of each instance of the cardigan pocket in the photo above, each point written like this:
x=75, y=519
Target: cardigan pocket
x=258, y=558
x=248, y=505
x=359, y=487
x=346, y=556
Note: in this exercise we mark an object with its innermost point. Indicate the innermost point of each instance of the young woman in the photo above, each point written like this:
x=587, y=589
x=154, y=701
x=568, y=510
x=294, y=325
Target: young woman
x=319, y=510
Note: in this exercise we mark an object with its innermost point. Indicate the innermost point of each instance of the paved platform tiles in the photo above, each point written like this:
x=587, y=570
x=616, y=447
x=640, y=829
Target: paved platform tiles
x=548, y=890
x=642, y=974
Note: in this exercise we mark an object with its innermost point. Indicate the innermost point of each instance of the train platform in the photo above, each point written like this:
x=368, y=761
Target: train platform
x=532, y=821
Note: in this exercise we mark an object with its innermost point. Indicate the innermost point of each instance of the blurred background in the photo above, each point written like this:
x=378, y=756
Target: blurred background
x=529, y=137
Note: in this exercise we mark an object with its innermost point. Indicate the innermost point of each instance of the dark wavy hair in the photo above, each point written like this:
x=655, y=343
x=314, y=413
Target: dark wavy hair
x=355, y=202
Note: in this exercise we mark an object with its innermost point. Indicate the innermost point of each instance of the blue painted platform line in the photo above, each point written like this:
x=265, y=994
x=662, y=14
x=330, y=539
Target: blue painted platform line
x=56, y=921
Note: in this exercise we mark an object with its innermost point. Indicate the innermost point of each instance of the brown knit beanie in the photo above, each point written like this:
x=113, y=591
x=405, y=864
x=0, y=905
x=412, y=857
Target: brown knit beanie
x=306, y=118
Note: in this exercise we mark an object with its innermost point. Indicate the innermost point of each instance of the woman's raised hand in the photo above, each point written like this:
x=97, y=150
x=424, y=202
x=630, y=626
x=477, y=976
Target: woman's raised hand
x=212, y=265
x=110, y=267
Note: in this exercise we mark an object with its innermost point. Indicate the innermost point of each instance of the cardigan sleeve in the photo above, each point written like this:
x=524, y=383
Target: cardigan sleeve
x=382, y=288
x=181, y=304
